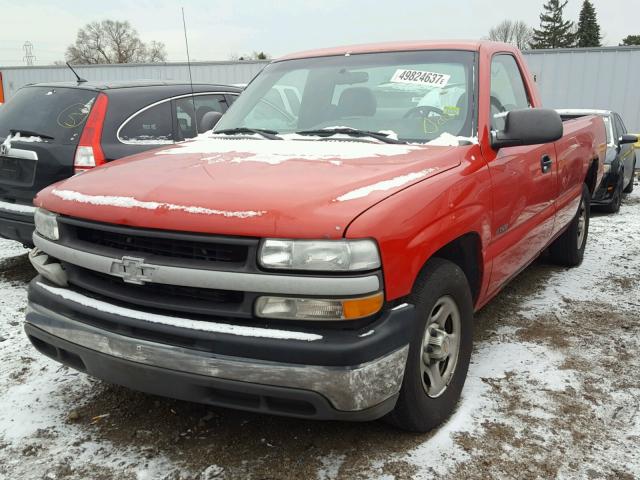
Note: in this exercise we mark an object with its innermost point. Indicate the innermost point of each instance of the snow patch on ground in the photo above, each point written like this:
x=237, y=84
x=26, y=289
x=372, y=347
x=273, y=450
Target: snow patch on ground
x=9, y=249
x=490, y=361
x=612, y=251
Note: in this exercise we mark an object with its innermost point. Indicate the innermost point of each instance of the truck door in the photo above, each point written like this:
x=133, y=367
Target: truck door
x=524, y=181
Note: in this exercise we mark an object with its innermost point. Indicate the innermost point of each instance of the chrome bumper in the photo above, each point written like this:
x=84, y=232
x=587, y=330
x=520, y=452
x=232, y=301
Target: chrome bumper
x=348, y=388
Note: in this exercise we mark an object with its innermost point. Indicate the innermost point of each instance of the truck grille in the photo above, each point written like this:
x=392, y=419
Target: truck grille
x=180, y=249
x=164, y=247
x=159, y=296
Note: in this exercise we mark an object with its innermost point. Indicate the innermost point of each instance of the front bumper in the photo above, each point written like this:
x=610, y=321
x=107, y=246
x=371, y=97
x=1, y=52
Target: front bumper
x=604, y=193
x=16, y=222
x=337, y=374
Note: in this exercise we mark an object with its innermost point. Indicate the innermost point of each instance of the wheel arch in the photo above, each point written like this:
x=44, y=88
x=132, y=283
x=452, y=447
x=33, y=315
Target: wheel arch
x=591, y=178
x=466, y=252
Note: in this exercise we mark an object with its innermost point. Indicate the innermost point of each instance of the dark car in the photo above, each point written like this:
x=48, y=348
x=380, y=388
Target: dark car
x=49, y=132
x=620, y=161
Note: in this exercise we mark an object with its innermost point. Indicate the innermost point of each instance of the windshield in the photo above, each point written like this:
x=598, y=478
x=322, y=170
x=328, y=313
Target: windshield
x=57, y=113
x=416, y=96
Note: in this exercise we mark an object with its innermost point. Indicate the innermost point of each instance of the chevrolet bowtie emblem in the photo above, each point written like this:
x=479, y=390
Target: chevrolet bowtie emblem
x=132, y=270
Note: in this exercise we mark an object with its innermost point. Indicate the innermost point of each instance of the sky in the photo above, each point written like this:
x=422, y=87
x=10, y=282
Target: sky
x=219, y=29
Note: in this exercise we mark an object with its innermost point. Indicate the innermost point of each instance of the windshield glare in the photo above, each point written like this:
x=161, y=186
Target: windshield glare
x=416, y=95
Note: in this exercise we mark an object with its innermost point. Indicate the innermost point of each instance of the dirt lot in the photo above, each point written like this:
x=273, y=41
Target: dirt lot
x=553, y=391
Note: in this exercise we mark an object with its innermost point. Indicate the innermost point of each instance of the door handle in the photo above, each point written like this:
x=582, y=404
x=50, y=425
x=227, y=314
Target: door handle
x=545, y=163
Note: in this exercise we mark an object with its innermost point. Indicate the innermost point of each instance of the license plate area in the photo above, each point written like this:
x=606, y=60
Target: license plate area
x=17, y=171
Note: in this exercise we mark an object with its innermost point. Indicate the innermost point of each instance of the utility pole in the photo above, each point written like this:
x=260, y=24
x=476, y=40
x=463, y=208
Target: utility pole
x=29, y=57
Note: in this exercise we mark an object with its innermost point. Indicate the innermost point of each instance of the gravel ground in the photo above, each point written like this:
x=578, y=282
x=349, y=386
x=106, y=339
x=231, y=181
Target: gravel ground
x=553, y=391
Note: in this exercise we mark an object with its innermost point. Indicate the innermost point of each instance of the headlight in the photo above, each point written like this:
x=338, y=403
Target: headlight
x=290, y=308
x=46, y=224
x=320, y=255
x=607, y=167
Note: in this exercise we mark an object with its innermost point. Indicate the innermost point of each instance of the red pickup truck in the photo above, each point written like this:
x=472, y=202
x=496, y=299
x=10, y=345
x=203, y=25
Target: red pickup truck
x=323, y=257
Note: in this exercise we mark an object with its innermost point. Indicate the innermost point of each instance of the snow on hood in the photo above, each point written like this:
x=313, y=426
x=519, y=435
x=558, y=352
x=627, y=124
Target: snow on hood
x=217, y=148
x=130, y=202
x=395, y=182
x=248, y=186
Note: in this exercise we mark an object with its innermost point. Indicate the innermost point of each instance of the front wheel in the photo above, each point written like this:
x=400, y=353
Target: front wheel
x=568, y=248
x=440, y=349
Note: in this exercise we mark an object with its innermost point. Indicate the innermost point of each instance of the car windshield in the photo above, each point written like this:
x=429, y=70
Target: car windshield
x=412, y=96
x=56, y=113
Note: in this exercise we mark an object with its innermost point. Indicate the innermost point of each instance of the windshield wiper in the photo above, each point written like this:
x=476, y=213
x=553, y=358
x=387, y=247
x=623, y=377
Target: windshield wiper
x=354, y=132
x=269, y=134
x=29, y=133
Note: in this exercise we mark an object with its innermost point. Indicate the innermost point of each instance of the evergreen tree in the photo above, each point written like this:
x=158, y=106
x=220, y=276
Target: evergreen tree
x=554, y=31
x=630, y=40
x=588, y=29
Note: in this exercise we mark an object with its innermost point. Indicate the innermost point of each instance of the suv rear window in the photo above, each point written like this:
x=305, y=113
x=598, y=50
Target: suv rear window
x=52, y=111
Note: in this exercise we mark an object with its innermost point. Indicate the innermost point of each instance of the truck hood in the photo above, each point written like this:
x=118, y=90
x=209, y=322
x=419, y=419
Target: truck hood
x=248, y=186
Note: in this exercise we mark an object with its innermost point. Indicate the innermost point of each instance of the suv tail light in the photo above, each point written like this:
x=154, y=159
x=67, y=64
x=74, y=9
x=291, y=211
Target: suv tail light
x=89, y=153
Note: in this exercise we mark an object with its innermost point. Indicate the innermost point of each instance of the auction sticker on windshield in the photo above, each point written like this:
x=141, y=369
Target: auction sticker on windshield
x=420, y=77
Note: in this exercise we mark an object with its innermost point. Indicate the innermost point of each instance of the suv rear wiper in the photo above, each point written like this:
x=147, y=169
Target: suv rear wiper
x=354, y=132
x=269, y=134
x=29, y=133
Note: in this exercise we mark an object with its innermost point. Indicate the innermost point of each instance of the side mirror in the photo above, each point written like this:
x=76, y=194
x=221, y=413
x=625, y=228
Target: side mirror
x=209, y=120
x=627, y=138
x=529, y=126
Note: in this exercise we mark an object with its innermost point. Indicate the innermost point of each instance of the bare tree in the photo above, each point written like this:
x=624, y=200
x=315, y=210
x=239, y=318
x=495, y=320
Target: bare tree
x=515, y=32
x=248, y=57
x=111, y=41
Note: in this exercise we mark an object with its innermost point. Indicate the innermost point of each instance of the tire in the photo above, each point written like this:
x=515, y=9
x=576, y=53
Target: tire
x=629, y=188
x=616, y=200
x=423, y=405
x=568, y=248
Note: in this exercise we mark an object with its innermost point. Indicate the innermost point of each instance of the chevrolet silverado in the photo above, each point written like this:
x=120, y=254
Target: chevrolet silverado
x=322, y=259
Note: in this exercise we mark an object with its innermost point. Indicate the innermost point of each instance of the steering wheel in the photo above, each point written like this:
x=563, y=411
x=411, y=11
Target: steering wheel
x=423, y=111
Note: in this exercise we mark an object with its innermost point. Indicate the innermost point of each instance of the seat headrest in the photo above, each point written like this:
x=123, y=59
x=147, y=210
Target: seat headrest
x=357, y=102
x=209, y=121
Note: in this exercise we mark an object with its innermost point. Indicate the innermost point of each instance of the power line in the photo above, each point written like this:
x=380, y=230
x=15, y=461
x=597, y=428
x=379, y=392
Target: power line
x=29, y=57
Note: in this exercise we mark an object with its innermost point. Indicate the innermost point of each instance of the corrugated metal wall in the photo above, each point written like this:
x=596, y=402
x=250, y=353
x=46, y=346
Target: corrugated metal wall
x=603, y=78
x=209, y=72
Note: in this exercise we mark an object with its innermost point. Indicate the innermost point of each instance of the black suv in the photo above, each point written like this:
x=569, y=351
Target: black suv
x=49, y=132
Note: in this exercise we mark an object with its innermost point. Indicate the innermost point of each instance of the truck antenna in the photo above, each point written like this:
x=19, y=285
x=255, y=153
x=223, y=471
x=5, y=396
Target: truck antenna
x=80, y=79
x=186, y=42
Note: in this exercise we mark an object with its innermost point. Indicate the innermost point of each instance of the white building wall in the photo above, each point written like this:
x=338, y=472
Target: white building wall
x=604, y=78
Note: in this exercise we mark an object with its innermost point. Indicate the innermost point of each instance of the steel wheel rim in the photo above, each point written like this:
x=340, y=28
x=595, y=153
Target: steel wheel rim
x=440, y=346
x=582, y=223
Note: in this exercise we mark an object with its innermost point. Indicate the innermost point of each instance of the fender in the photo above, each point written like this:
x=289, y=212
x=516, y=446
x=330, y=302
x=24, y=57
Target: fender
x=415, y=223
